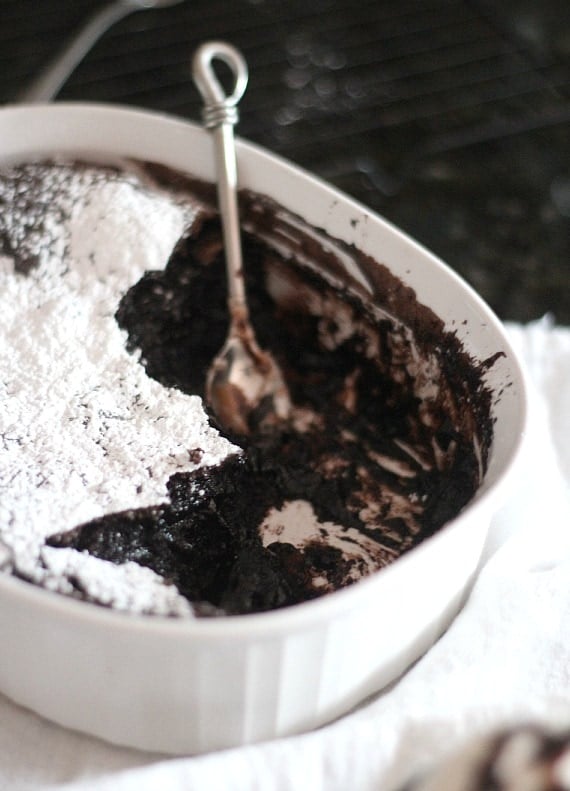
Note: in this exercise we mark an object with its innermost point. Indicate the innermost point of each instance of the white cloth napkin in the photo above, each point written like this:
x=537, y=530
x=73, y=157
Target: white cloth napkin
x=505, y=658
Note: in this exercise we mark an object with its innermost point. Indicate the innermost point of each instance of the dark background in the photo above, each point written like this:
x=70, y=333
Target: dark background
x=449, y=117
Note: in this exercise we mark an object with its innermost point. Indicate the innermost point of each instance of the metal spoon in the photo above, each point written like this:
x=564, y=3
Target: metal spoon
x=244, y=385
x=45, y=87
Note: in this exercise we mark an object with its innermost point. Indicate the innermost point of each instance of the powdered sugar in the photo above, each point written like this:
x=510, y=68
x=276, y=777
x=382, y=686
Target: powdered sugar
x=83, y=430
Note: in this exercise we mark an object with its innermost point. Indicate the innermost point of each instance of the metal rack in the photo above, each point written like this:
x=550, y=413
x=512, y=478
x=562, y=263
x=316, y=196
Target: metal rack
x=450, y=117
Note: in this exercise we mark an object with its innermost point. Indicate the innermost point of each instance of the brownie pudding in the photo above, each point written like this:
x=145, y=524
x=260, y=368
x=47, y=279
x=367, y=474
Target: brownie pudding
x=118, y=485
x=521, y=758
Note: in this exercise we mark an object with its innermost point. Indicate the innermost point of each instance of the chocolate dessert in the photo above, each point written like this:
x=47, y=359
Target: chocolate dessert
x=120, y=486
x=521, y=758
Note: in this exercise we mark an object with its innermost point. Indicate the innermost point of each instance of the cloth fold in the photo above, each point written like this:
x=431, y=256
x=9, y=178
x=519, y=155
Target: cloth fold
x=504, y=660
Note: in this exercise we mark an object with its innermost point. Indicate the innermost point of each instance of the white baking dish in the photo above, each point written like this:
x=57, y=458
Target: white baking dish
x=185, y=686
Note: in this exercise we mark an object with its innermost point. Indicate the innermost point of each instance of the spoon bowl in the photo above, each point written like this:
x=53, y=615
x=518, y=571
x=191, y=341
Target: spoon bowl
x=244, y=386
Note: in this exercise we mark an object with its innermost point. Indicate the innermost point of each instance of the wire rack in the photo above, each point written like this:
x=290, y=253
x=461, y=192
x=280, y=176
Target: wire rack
x=450, y=117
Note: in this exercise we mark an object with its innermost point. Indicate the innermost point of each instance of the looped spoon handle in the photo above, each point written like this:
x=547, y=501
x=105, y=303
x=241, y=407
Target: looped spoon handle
x=220, y=114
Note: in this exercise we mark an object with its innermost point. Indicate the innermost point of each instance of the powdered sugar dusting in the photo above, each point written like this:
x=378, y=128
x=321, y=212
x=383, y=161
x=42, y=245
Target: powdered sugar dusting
x=83, y=430
x=128, y=587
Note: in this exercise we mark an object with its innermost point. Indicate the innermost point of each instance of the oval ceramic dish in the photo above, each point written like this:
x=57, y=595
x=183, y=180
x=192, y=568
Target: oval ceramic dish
x=184, y=686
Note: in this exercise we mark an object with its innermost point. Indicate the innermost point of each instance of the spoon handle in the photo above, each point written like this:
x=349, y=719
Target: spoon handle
x=220, y=114
x=56, y=73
